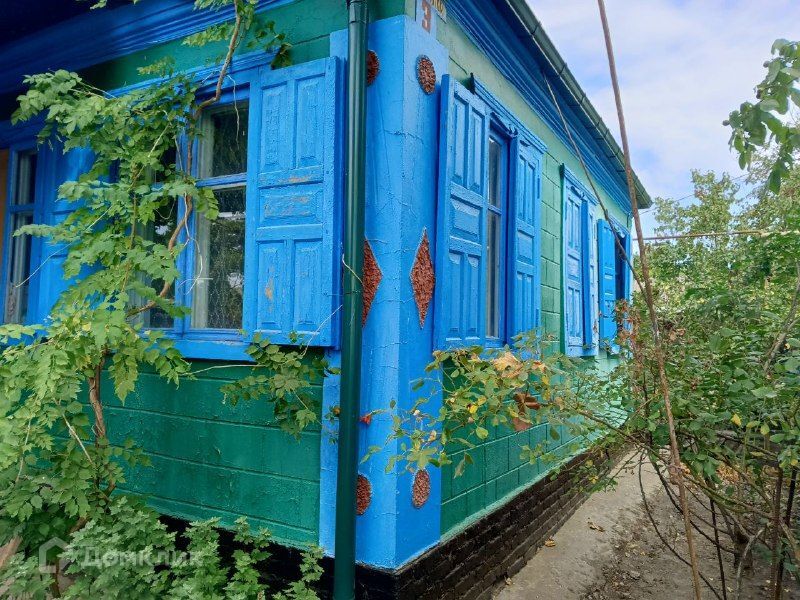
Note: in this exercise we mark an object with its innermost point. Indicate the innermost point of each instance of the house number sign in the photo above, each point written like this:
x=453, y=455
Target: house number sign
x=427, y=11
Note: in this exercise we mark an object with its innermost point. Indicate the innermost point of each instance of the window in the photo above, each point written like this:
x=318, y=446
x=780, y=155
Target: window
x=270, y=263
x=212, y=265
x=495, y=238
x=20, y=212
x=580, y=267
x=218, y=279
x=32, y=267
x=488, y=264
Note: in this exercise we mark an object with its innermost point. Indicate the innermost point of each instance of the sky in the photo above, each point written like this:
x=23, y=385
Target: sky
x=683, y=66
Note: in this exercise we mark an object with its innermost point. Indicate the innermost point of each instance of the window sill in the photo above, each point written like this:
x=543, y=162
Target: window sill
x=233, y=350
x=574, y=352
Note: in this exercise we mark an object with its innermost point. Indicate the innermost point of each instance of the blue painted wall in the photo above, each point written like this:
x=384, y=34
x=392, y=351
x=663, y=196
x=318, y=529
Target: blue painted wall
x=402, y=155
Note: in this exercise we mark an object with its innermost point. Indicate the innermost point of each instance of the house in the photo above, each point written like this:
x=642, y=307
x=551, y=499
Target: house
x=481, y=222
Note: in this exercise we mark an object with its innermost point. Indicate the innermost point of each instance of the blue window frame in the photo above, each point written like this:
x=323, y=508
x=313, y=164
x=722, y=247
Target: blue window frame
x=580, y=270
x=488, y=257
x=270, y=263
x=213, y=264
x=31, y=272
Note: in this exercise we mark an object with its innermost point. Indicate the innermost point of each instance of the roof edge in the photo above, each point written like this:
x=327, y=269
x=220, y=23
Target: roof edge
x=558, y=64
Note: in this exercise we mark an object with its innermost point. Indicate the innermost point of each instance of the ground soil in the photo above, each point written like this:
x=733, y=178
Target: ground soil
x=609, y=550
x=642, y=566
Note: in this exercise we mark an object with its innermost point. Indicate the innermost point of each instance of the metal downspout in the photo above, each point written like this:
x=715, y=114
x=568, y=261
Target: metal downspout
x=345, y=541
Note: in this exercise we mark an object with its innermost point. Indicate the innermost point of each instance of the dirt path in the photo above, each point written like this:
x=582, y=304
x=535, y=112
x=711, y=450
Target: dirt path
x=609, y=550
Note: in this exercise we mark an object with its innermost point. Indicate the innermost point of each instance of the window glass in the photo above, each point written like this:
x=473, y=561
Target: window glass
x=19, y=271
x=169, y=161
x=159, y=231
x=494, y=236
x=219, y=264
x=495, y=167
x=493, y=279
x=217, y=284
x=25, y=179
x=622, y=271
x=223, y=147
x=19, y=257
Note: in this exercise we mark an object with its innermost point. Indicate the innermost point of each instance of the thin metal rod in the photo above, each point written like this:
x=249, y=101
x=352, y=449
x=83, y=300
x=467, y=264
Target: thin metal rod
x=712, y=234
x=676, y=468
x=345, y=540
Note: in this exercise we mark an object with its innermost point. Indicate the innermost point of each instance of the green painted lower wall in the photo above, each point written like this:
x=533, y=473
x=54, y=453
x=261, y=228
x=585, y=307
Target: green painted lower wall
x=497, y=472
x=497, y=475
x=212, y=459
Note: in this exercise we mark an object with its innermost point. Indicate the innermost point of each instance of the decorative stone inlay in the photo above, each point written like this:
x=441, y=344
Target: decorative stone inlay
x=373, y=66
x=524, y=402
x=372, y=279
x=421, y=489
x=423, y=278
x=426, y=74
x=363, y=494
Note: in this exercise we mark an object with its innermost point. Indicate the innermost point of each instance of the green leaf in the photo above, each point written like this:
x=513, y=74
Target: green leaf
x=764, y=392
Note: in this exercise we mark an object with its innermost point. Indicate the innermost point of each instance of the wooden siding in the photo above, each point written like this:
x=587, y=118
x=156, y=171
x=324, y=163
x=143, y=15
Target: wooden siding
x=214, y=459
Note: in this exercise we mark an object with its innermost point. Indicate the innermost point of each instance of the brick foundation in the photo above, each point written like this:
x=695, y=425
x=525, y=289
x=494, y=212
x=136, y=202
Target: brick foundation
x=470, y=564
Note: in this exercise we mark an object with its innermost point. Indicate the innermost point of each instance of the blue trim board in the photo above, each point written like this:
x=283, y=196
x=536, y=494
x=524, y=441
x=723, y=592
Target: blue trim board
x=578, y=187
x=104, y=35
x=503, y=39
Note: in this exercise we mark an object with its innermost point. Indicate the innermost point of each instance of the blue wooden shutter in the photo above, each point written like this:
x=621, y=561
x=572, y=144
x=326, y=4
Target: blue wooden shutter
x=293, y=219
x=525, y=244
x=60, y=167
x=460, y=256
x=573, y=273
x=607, y=283
x=626, y=271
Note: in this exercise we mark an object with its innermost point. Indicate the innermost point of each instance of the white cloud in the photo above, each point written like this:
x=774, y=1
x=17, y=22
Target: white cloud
x=683, y=66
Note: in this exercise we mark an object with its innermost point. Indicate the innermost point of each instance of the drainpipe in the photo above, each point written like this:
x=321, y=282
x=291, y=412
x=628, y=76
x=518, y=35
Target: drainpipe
x=345, y=544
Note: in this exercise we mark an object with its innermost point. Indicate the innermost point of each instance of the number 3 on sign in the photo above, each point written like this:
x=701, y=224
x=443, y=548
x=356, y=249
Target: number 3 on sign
x=425, y=14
